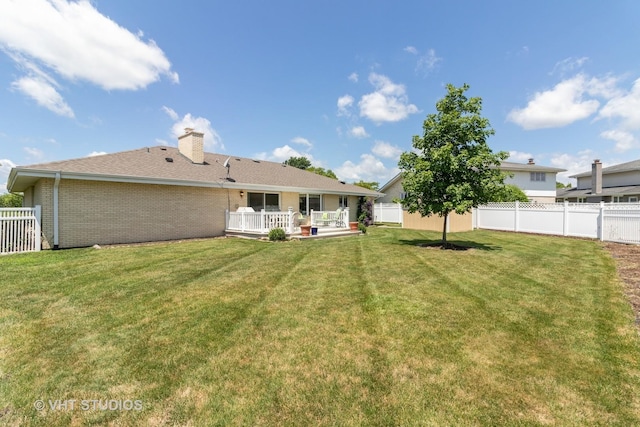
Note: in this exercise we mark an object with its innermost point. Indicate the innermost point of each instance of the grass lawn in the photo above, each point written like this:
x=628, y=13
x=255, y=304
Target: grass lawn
x=373, y=330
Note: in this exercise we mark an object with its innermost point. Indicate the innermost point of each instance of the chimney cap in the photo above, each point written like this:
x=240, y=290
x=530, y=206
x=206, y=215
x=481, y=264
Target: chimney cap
x=188, y=130
x=531, y=162
x=596, y=161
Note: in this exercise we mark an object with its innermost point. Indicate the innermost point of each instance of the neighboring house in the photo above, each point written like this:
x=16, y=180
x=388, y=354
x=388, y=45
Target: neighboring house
x=537, y=182
x=617, y=184
x=165, y=193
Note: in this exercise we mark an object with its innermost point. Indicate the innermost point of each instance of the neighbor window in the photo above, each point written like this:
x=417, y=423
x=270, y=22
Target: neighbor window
x=538, y=176
x=617, y=199
x=582, y=200
x=633, y=199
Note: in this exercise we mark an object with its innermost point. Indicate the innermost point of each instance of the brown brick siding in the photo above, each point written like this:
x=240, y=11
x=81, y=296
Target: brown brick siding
x=94, y=212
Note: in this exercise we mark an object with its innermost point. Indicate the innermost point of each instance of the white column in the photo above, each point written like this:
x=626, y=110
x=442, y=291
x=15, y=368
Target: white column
x=601, y=222
x=38, y=231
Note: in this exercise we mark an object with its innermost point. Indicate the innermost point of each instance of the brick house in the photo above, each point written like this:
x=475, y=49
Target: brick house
x=166, y=193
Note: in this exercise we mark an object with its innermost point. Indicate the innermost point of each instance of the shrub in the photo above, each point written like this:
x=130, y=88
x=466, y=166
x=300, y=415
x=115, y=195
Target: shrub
x=362, y=227
x=277, y=234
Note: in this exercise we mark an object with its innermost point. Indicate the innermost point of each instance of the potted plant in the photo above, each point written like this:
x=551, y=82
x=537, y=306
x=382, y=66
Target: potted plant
x=305, y=225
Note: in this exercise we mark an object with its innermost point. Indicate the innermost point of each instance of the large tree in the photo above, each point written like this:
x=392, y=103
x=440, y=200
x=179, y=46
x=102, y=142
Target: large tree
x=298, y=162
x=451, y=168
x=11, y=200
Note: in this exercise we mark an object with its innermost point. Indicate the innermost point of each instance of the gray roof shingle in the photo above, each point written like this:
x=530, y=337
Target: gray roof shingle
x=151, y=164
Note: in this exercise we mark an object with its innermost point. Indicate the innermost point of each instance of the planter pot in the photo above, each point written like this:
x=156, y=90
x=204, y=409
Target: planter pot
x=314, y=231
x=305, y=230
x=353, y=226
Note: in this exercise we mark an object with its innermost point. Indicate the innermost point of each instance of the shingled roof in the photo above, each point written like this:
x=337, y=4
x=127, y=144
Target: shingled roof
x=620, y=167
x=166, y=165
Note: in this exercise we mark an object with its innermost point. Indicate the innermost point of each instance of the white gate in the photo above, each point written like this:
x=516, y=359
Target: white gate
x=387, y=212
x=20, y=230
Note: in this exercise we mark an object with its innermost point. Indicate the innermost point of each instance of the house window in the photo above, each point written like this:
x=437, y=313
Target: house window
x=343, y=201
x=538, y=176
x=267, y=201
x=582, y=200
x=309, y=202
x=633, y=199
x=617, y=199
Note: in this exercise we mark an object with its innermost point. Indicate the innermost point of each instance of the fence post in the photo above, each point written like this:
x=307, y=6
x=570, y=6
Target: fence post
x=565, y=219
x=291, y=220
x=38, y=231
x=400, y=215
x=517, y=219
x=601, y=222
x=263, y=222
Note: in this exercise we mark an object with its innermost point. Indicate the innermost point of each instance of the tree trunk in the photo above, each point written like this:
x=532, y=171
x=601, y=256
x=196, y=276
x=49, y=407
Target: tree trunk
x=444, y=231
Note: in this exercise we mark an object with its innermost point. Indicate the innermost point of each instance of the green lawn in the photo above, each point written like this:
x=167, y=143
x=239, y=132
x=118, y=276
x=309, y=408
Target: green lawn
x=373, y=330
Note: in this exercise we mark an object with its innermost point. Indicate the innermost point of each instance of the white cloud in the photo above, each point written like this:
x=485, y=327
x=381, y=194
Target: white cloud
x=353, y=77
x=568, y=65
x=573, y=163
x=44, y=93
x=96, y=153
x=410, y=49
x=34, y=155
x=625, y=106
x=344, y=103
x=428, y=62
x=162, y=142
x=625, y=141
x=5, y=168
x=280, y=154
x=386, y=150
x=358, y=132
x=302, y=141
x=559, y=106
x=212, y=140
x=369, y=169
x=519, y=156
x=79, y=43
x=389, y=102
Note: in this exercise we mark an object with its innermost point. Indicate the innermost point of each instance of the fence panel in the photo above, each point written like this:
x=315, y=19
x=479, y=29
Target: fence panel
x=611, y=222
x=621, y=225
x=20, y=230
x=387, y=212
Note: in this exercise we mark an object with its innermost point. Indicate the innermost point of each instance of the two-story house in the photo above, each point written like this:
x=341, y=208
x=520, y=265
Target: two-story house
x=618, y=184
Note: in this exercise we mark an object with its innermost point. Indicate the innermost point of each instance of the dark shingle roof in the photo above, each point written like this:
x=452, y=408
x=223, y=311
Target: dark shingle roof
x=151, y=164
x=621, y=167
x=606, y=191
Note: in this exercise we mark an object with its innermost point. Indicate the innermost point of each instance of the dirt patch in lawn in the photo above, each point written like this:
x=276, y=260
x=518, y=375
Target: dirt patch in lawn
x=448, y=246
x=627, y=259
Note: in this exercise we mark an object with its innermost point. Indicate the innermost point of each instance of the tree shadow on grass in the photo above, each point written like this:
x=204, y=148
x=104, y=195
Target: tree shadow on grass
x=454, y=245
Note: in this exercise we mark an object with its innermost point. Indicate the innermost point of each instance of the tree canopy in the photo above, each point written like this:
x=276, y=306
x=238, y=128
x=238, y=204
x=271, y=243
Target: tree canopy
x=322, y=171
x=10, y=200
x=510, y=193
x=451, y=168
x=298, y=162
x=371, y=185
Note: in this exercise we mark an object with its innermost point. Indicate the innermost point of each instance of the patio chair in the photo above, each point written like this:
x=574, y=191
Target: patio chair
x=339, y=221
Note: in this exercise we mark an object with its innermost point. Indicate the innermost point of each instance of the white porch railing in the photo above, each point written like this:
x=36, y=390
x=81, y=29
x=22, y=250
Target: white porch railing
x=20, y=230
x=338, y=218
x=262, y=222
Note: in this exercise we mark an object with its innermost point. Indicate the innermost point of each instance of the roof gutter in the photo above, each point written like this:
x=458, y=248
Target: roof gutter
x=56, y=228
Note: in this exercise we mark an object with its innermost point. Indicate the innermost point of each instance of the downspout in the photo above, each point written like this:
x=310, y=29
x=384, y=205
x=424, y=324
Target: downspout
x=56, y=232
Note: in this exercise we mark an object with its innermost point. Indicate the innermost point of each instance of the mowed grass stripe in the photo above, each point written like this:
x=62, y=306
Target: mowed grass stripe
x=374, y=330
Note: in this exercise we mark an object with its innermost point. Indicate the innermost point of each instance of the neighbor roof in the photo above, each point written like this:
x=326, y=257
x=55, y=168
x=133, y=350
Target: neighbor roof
x=507, y=166
x=606, y=191
x=151, y=165
x=621, y=167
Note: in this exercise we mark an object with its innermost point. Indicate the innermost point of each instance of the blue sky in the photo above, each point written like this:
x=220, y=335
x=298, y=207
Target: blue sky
x=346, y=84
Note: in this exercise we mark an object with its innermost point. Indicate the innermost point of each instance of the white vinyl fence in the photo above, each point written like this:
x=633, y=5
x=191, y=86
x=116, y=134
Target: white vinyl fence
x=20, y=230
x=614, y=222
x=387, y=212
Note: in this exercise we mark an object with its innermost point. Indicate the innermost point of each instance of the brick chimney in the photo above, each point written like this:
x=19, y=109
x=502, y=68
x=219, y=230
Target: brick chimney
x=531, y=162
x=596, y=177
x=191, y=145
